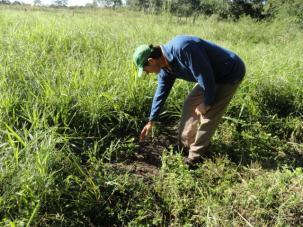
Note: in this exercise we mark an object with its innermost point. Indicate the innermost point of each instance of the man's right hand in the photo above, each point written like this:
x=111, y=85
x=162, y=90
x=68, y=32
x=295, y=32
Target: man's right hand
x=145, y=131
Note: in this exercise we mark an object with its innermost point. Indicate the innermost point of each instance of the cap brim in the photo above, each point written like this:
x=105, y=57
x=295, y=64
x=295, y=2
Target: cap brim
x=141, y=72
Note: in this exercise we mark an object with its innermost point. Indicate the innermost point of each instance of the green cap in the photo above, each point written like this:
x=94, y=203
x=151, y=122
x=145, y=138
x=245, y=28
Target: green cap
x=140, y=57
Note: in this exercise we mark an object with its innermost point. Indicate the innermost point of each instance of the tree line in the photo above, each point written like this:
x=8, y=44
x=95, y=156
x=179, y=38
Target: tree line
x=234, y=9
x=257, y=9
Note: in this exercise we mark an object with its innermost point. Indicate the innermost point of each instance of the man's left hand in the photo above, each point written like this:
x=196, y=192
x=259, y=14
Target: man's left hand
x=201, y=109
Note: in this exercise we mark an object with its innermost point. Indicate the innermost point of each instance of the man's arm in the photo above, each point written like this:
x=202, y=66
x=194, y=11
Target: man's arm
x=165, y=83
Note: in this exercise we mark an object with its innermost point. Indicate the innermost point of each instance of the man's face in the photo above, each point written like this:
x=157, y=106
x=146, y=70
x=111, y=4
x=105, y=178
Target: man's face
x=154, y=66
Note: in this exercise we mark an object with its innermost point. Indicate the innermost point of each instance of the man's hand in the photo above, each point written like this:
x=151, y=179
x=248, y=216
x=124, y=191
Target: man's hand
x=145, y=131
x=201, y=109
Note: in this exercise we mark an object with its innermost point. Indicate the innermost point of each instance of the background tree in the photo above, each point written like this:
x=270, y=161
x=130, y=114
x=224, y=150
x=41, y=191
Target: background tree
x=185, y=8
x=253, y=8
x=109, y=3
x=155, y=6
x=138, y=4
x=37, y=2
x=257, y=9
x=219, y=7
x=95, y=3
x=284, y=8
x=6, y=2
x=60, y=3
x=17, y=3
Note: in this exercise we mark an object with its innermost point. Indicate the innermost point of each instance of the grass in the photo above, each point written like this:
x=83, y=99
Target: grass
x=71, y=108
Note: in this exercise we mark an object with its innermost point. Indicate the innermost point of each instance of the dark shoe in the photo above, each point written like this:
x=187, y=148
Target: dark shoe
x=192, y=163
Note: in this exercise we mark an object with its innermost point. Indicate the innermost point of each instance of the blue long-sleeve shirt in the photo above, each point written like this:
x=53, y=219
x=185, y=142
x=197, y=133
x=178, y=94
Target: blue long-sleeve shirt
x=195, y=60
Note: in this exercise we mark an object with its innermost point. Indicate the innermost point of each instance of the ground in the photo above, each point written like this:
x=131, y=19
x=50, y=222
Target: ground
x=146, y=160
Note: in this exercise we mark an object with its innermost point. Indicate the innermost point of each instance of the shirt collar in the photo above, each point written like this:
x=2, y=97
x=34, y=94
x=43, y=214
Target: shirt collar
x=167, y=53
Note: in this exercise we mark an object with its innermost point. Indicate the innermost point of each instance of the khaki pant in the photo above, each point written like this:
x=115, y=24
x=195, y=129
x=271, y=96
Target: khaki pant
x=195, y=132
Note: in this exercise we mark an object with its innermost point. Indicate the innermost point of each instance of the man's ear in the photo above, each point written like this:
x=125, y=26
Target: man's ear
x=150, y=60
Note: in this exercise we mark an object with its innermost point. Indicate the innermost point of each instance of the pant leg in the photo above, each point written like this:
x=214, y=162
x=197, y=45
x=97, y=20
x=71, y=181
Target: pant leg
x=209, y=122
x=189, y=119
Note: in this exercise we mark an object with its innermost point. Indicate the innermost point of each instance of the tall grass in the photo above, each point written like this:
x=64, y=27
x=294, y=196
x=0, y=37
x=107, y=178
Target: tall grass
x=71, y=106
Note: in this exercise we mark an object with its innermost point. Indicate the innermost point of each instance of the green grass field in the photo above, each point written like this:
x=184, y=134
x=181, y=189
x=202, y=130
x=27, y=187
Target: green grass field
x=71, y=111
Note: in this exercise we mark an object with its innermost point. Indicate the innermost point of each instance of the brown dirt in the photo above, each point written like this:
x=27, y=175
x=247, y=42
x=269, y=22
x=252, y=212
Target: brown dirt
x=147, y=157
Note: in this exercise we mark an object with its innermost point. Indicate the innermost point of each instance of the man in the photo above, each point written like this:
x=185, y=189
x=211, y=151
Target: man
x=217, y=72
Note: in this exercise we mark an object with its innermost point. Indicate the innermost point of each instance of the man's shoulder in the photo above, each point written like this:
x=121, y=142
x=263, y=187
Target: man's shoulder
x=176, y=47
x=182, y=42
